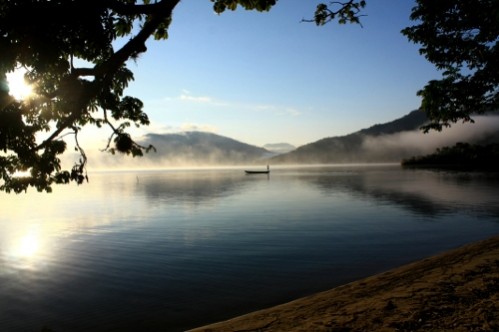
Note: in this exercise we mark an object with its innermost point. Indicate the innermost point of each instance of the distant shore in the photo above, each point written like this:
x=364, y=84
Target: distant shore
x=454, y=291
x=462, y=156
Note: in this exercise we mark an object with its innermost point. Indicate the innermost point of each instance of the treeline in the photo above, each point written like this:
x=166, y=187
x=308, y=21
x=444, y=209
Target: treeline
x=461, y=155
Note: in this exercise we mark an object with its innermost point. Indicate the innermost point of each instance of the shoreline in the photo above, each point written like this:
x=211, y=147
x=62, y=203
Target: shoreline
x=456, y=290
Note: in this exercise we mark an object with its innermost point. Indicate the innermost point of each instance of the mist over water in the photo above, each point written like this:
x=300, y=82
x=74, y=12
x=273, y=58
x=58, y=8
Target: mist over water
x=411, y=143
x=219, y=152
x=170, y=250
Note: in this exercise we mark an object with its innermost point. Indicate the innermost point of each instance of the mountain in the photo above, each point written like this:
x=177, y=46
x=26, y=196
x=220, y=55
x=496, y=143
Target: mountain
x=200, y=149
x=350, y=148
x=412, y=121
x=390, y=142
x=279, y=148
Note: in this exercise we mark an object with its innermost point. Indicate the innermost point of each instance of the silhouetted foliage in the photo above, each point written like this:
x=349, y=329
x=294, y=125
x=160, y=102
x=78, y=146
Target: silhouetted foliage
x=461, y=155
x=344, y=12
x=46, y=329
x=461, y=38
x=47, y=38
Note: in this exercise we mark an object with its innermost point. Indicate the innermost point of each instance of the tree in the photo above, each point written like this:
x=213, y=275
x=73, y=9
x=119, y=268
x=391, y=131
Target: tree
x=461, y=38
x=48, y=38
x=460, y=156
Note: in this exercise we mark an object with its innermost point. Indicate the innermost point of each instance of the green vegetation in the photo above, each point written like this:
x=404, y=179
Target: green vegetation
x=460, y=156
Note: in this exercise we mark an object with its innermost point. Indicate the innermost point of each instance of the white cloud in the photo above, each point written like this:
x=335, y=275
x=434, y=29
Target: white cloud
x=198, y=127
x=275, y=109
x=187, y=96
x=159, y=128
x=153, y=127
x=291, y=111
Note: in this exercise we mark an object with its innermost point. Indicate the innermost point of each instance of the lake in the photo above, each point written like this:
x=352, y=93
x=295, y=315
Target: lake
x=174, y=249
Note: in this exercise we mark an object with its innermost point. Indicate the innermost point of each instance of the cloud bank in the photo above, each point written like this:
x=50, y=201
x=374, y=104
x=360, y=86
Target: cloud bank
x=410, y=143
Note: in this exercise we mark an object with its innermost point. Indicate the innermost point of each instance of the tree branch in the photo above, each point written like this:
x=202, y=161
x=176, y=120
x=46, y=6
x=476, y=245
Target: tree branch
x=136, y=45
x=347, y=12
x=83, y=72
x=105, y=72
x=127, y=9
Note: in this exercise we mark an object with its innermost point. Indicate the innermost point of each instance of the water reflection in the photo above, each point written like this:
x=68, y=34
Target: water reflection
x=35, y=227
x=170, y=250
x=423, y=192
x=28, y=246
x=194, y=188
x=25, y=251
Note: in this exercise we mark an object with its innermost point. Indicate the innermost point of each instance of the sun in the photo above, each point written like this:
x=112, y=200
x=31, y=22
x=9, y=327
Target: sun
x=18, y=87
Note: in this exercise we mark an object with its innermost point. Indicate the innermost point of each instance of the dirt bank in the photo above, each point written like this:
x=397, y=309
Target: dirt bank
x=454, y=291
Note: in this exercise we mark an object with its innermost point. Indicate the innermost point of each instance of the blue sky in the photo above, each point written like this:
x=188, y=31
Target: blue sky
x=268, y=77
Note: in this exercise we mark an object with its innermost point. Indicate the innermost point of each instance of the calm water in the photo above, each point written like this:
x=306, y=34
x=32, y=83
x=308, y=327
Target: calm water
x=169, y=250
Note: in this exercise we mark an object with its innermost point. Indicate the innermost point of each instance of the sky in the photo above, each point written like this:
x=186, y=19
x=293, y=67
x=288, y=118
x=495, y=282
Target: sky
x=268, y=77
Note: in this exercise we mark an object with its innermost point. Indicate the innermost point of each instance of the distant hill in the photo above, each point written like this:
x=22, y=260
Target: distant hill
x=279, y=148
x=201, y=149
x=412, y=121
x=350, y=148
x=388, y=142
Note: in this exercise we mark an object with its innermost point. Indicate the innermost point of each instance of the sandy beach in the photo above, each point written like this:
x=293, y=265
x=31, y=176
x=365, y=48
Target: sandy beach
x=453, y=291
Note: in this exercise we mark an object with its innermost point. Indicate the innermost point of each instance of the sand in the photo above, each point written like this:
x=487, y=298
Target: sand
x=454, y=291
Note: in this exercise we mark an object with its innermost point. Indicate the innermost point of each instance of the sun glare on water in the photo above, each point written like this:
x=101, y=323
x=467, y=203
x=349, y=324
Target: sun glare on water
x=27, y=250
x=28, y=246
x=18, y=87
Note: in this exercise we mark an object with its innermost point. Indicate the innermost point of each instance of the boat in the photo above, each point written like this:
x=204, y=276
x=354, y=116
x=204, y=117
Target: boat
x=258, y=172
